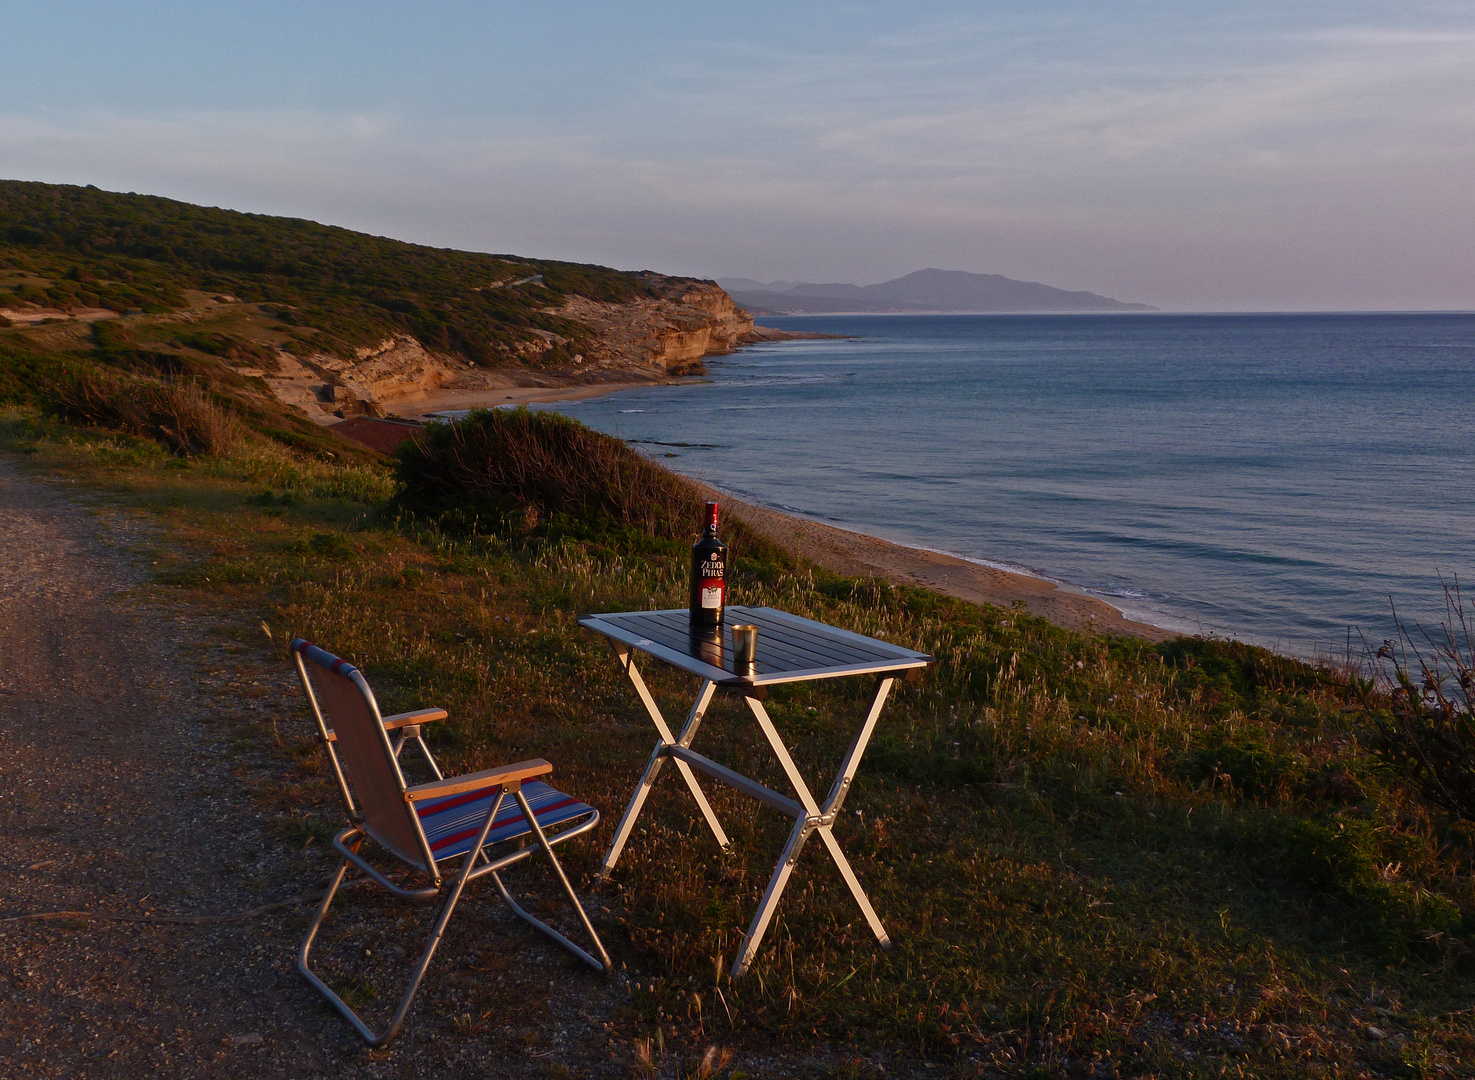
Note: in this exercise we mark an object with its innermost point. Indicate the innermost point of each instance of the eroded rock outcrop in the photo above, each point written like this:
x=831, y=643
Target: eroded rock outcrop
x=667, y=333
x=397, y=367
x=670, y=333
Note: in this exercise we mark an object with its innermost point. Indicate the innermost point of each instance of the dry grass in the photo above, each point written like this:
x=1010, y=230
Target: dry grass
x=1096, y=857
x=1428, y=733
x=176, y=412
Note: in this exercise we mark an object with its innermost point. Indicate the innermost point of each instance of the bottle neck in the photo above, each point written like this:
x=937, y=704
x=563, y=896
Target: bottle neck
x=711, y=519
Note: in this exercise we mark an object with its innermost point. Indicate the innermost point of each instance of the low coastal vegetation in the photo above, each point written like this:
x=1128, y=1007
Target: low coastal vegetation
x=1097, y=856
x=322, y=289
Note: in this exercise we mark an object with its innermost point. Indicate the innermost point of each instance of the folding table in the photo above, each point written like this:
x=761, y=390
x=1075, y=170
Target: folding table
x=790, y=649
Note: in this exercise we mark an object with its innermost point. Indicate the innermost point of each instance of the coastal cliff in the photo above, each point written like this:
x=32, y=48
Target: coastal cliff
x=666, y=333
x=685, y=321
x=336, y=323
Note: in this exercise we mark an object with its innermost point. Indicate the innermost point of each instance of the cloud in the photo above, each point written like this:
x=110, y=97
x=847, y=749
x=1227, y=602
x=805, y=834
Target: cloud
x=1239, y=184
x=1383, y=37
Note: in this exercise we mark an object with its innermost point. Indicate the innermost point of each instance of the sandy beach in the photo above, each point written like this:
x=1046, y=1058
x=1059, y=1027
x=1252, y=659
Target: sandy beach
x=448, y=400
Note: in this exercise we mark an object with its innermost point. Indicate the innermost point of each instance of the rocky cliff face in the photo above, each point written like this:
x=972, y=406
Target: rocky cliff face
x=670, y=334
x=666, y=334
x=395, y=367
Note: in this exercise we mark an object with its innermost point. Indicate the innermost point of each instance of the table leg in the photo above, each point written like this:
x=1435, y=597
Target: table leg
x=765, y=724
x=657, y=760
x=632, y=811
x=769, y=904
x=817, y=820
x=827, y=834
x=851, y=761
x=803, y=828
x=848, y=766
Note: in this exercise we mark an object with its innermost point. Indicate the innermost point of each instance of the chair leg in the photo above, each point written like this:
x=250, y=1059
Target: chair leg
x=409, y=996
x=602, y=964
x=322, y=987
x=538, y=924
x=436, y=933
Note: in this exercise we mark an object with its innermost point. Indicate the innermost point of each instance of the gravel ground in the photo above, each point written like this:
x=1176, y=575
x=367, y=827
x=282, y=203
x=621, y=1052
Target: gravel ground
x=133, y=782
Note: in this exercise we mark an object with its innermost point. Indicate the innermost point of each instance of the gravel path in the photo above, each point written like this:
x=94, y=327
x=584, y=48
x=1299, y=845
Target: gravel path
x=131, y=784
x=118, y=797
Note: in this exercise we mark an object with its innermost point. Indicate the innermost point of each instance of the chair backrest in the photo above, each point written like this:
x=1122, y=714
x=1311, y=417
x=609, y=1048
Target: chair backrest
x=325, y=732
x=367, y=754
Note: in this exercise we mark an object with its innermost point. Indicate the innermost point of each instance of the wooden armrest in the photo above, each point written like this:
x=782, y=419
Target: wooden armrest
x=456, y=784
x=414, y=716
x=404, y=719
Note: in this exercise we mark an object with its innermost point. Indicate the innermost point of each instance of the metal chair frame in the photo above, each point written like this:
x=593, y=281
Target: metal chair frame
x=476, y=862
x=406, y=724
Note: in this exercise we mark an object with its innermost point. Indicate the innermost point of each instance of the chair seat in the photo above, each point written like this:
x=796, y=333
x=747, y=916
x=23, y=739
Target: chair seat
x=451, y=824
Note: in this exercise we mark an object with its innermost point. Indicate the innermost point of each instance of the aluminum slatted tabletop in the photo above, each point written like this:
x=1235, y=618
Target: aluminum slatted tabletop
x=790, y=649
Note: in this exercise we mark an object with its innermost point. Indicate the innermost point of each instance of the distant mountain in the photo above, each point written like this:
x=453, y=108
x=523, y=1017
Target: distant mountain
x=925, y=290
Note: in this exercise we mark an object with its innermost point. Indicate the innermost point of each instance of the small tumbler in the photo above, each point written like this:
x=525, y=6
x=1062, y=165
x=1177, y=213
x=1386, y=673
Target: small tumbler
x=744, y=649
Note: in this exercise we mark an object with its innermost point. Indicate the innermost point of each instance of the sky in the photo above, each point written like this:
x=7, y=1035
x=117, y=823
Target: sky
x=1195, y=156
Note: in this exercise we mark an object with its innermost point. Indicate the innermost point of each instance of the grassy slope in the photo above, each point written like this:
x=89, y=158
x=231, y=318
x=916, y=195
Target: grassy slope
x=82, y=372
x=72, y=247
x=1092, y=853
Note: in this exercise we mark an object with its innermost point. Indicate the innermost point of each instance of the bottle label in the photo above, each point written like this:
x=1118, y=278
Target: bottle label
x=711, y=583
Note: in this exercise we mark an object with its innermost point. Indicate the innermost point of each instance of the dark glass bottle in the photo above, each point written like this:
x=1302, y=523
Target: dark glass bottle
x=708, y=574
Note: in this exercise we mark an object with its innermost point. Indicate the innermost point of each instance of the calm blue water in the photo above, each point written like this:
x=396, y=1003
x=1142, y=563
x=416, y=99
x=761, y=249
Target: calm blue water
x=1269, y=477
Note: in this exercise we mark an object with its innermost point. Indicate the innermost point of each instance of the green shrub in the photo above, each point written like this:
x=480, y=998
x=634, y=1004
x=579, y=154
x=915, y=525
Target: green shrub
x=534, y=468
x=1243, y=763
x=1344, y=866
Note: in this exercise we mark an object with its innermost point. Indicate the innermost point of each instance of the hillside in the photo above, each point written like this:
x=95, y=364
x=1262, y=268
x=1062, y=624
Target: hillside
x=332, y=320
x=928, y=290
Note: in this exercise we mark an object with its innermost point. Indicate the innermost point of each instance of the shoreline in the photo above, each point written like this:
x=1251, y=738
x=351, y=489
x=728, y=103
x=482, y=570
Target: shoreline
x=855, y=554
x=426, y=403
x=840, y=550
x=495, y=397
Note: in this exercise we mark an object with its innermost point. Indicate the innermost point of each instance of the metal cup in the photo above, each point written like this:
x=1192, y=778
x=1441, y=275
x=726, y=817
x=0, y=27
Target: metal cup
x=744, y=649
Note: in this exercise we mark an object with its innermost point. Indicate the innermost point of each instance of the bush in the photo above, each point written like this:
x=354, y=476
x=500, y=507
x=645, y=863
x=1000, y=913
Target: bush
x=533, y=468
x=1428, y=733
x=178, y=414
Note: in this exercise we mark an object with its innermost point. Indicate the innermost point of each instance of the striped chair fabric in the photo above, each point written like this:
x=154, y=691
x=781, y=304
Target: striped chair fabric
x=451, y=824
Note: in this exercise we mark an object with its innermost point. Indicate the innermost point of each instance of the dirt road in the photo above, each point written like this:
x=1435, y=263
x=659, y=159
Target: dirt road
x=116, y=779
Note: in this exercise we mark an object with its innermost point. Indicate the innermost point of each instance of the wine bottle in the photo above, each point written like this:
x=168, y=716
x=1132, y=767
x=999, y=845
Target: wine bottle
x=708, y=574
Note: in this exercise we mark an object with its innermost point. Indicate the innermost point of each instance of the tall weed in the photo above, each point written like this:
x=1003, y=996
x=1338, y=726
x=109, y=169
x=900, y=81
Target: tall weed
x=177, y=413
x=1427, y=732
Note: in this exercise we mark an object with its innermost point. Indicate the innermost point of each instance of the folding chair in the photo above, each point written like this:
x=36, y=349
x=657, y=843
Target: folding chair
x=426, y=826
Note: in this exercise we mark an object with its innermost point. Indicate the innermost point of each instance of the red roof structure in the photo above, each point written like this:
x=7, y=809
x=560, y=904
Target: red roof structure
x=382, y=435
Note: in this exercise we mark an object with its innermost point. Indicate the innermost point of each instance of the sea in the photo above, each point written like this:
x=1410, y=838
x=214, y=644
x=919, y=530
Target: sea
x=1283, y=479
